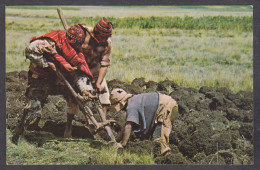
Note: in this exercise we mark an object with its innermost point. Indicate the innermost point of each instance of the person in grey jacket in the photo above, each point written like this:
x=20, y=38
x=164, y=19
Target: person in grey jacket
x=148, y=114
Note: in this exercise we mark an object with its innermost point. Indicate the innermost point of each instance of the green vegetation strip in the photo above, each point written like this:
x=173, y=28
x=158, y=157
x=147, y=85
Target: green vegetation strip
x=244, y=23
x=239, y=23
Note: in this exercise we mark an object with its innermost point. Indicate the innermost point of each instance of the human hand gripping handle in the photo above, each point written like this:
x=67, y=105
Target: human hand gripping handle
x=99, y=87
x=63, y=62
x=52, y=66
x=68, y=68
x=101, y=75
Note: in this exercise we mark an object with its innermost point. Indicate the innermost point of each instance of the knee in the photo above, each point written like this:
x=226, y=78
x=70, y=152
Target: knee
x=72, y=108
x=104, y=99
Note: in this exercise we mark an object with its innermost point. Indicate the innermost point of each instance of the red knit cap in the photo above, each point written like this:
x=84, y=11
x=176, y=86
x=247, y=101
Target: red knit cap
x=103, y=28
x=76, y=34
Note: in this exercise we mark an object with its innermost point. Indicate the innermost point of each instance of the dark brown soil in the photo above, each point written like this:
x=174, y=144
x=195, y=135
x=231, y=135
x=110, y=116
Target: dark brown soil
x=214, y=126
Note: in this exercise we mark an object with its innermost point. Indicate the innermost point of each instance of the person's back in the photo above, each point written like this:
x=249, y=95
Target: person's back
x=141, y=110
x=51, y=51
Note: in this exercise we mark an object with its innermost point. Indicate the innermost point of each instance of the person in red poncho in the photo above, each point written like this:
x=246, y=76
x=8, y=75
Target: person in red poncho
x=56, y=49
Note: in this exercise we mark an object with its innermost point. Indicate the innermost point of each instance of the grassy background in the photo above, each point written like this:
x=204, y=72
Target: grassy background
x=194, y=46
x=60, y=151
x=131, y=11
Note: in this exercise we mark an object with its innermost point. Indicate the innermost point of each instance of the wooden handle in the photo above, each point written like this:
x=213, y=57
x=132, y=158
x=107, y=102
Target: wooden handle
x=63, y=21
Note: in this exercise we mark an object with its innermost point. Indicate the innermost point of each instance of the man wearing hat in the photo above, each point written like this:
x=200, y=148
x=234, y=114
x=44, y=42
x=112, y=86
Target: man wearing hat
x=56, y=49
x=97, y=49
x=149, y=115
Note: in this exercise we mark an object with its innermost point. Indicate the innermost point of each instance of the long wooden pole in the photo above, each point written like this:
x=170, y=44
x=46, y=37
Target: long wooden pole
x=63, y=21
x=84, y=108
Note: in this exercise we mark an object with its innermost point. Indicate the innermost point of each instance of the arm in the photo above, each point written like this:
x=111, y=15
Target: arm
x=101, y=75
x=120, y=135
x=127, y=132
x=47, y=46
x=63, y=62
x=104, y=66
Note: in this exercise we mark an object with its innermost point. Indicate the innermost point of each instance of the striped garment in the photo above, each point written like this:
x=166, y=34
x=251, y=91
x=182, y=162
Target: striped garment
x=68, y=56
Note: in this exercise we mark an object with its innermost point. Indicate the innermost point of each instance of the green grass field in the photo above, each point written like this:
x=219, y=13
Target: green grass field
x=60, y=151
x=207, y=45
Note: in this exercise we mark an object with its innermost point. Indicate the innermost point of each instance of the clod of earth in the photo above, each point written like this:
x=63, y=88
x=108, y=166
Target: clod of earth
x=215, y=125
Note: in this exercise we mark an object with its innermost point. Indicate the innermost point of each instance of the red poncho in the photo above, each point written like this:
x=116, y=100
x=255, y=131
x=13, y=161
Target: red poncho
x=68, y=54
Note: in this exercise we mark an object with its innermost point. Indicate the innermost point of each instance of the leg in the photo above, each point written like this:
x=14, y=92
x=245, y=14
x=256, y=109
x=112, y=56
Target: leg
x=171, y=114
x=72, y=110
x=165, y=115
x=164, y=139
x=161, y=136
x=36, y=94
x=68, y=128
x=104, y=109
x=104, y=97
x=33, y=112
x=29, y=118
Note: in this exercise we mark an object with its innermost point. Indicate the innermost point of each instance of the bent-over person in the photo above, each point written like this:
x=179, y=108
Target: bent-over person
x=54, y=50
x=150, y=115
